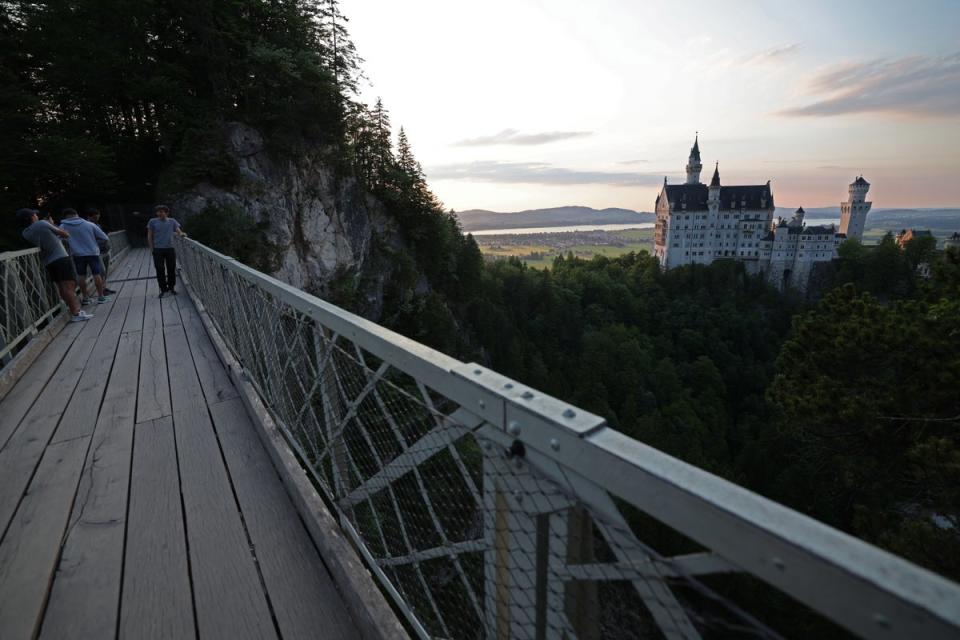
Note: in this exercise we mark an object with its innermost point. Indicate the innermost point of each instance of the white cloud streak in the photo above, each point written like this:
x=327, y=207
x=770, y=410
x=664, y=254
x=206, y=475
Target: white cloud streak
x=537, y=173
x=915, y=86
x=514, y=137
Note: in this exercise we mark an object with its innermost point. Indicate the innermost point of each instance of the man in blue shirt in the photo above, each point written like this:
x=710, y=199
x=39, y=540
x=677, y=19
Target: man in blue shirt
x=83, y=240
x=54, y=257
x=160, y=232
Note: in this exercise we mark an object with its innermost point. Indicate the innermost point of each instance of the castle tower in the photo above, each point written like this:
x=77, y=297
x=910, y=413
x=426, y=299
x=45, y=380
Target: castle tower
x=693, y=164
x=853, y=212
x=713, y=195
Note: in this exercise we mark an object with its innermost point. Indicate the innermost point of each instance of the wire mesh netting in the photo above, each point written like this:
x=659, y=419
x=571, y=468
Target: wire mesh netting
x=472, y=537
x=27, y=297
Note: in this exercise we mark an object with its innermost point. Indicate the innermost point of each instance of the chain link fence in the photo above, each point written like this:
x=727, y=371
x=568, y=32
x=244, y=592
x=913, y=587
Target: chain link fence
x=488, y=510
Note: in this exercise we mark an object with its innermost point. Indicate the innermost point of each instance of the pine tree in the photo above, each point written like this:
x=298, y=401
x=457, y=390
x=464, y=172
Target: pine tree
x=381, y=151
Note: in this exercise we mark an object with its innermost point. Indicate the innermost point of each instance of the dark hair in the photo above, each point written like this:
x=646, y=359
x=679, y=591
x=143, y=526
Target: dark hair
x=66, y=213
x=25, y=216
x=91, y=211
x=161, y=207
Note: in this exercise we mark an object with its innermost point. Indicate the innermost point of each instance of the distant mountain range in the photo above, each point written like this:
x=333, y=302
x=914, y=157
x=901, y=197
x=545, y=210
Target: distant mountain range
x=480, y=219
x=894, y=219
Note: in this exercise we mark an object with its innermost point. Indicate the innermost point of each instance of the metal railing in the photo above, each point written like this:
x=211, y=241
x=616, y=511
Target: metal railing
x=487, y=509
x=119, y=244
x=28, y=299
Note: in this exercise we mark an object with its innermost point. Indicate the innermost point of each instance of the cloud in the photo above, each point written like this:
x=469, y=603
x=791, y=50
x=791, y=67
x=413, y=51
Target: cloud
x=514, y=137
x=629, y=162
x=918, y=86
x=771, y=55
x=537, y=173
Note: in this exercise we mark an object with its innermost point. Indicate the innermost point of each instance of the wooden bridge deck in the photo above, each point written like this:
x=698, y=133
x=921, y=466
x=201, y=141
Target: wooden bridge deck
x=136, y=500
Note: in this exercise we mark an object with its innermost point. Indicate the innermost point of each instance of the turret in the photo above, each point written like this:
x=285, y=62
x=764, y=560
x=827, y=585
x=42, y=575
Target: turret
x=853, y=212
x=693, y=164
x=797, y=220
x=714, y=193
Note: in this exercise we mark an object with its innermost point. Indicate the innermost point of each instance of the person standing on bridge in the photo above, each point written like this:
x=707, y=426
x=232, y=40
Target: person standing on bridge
x=160, y=232
x=83, y=240
x=54, y=256
x=92, y=214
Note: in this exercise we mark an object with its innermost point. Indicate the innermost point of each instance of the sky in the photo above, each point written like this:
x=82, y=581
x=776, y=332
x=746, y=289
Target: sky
x=524, y=104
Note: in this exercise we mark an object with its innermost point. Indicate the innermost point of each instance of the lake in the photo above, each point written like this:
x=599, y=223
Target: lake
x=576, y=227
x=601, y=227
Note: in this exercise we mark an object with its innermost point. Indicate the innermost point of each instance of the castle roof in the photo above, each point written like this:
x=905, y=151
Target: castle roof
x=695, y=151
x=860, y=182
x=755, y=196
x=819, y=230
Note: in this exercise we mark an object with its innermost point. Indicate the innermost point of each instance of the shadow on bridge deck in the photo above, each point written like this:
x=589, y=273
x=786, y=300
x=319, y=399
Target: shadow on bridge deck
x=136, y=499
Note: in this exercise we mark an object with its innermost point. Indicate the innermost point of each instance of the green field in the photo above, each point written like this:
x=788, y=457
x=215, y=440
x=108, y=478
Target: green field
x=637, y=240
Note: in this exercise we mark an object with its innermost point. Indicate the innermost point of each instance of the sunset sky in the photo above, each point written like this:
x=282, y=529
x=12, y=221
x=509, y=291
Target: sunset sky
x=523, y=104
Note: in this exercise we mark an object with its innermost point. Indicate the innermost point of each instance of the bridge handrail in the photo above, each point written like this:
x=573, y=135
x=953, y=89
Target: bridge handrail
x=28, y=300
x=369, y=411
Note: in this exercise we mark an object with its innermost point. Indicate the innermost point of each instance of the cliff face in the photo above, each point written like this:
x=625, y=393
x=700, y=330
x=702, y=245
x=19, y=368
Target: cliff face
x=318, y=227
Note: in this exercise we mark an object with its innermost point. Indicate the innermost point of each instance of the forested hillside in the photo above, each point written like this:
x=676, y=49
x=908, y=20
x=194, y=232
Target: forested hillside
x=847, y=409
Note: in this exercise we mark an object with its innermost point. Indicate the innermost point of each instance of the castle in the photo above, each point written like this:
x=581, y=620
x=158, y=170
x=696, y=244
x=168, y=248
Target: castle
x=697, y=224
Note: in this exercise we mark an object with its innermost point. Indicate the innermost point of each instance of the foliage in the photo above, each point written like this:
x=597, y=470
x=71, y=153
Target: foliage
x=102, y=100
x=229, y=230
x=867, y=397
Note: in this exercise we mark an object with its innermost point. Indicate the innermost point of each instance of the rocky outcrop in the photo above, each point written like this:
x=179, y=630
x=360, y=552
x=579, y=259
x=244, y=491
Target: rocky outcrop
x=319, y=226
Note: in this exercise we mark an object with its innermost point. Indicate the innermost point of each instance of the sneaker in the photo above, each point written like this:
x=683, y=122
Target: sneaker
x=103, y=299
x=108, y=291
x=81, y=317
x=162, y=293
x=173, y=291
x=85, y=301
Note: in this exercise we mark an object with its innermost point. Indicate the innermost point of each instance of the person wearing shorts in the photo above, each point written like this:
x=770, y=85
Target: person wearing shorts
x=86, y=254
x=59, y=266
x=92, y=214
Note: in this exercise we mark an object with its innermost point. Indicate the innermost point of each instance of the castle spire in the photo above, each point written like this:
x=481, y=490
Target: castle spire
x=716, y=176
x=693, y=163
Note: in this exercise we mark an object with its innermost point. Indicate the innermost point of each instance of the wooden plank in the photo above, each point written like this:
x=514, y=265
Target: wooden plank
x=28, y=554
x=171, y=314
x=230, y=601
x=18, y=402
x=84, y=601
x=219, y=548
x=213, y=376
x=153, y=395
x=85, y=403
x=156, y=596
x=185, y=390
x=152, y=314
x=302, y=593
x=18, y=459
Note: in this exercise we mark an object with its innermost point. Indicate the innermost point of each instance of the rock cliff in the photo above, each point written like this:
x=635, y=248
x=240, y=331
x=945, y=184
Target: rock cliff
x=317, y=226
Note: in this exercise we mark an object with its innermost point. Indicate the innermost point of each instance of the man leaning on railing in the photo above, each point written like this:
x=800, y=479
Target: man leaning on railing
x=59, y=266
